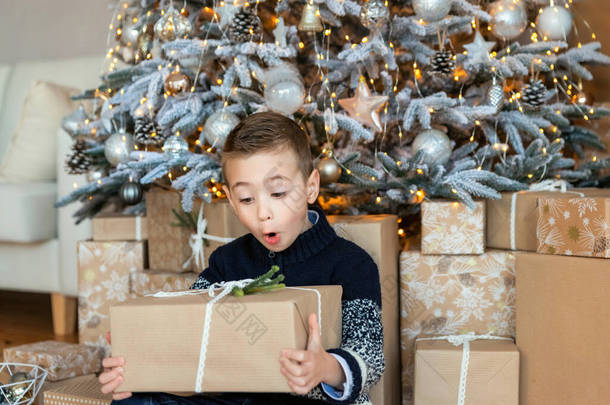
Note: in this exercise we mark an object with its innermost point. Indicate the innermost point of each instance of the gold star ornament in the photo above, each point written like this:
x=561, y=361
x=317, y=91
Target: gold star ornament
x=363, y=107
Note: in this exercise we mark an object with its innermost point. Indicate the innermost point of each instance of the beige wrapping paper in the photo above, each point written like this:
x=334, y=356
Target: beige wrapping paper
x=85, y=390
x=149, y=282
x=105, y=227
x=61, y=360
x=449, y=295
x=450, y=227
x=103, y=279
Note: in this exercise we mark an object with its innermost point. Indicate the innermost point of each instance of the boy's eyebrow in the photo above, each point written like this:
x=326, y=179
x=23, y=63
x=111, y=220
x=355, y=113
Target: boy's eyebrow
x=245, y=183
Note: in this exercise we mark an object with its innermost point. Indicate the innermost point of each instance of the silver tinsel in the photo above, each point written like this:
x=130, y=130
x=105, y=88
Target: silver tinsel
x=509, y=18
x=118, y=147
x=175, y=147
x=435, y=144
x=554, y=23
x=374, y=14
x=217, y=127
x=431, y=10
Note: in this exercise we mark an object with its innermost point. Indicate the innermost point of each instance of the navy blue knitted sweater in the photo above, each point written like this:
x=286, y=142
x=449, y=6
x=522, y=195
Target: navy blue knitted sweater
x=319, y=257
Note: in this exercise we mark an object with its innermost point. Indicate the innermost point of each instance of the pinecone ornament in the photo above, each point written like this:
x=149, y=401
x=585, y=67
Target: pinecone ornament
x=79, y=162
x=443, y=62
x=245, y=25
x=148, y=132
x=534, y=93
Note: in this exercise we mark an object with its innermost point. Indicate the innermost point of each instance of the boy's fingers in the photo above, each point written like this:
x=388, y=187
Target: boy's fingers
x=293, y=354
x=292, y=368
x=121, y=395
x=110, y=375
x=112, y=385
x=110, y=362
x=108, y=337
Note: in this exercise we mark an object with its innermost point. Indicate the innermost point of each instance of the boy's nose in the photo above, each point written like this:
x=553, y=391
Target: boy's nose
x=264, y=213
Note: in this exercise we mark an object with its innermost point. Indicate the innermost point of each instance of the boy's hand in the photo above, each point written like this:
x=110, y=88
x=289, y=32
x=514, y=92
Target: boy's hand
x=112, y=376
x=305, y=369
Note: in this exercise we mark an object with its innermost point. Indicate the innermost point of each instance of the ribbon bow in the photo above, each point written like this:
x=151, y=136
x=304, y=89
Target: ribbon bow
x=196, y=242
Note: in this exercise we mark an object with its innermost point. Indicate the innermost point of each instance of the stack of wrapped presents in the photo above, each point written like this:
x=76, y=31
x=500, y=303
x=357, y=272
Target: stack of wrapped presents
x=507, y=302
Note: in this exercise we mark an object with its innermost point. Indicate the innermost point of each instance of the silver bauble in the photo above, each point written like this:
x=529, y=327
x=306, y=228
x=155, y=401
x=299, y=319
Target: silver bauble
x=329, y=170
x=374, y=14
x=435, y=144
x=431, y=10
x=75, y=121
x=96, y=174
x=554, y=23
x=495, y=96
x=175, y=146
x=172, y=25
x=218, y=126
x=508, y=18
x=118, y=147
x=131, y=193
x=284, y=90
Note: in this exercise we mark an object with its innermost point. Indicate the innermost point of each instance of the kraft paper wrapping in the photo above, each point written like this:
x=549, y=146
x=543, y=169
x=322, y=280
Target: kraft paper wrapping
x=148, y=282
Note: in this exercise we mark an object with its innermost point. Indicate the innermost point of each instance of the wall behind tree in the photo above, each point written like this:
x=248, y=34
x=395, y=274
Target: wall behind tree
x=43, y=29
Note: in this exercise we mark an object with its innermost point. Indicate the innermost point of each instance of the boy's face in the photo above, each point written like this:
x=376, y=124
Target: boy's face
x=270, y=195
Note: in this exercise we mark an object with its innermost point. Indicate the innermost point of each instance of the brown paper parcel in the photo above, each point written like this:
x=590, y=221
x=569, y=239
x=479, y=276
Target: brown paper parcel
x=149, y=282
x=77, y=391
x=61, y=359
x=493, y=373
x=161, y=338
x=563, y=308
x=119, y=227
x=377, y=235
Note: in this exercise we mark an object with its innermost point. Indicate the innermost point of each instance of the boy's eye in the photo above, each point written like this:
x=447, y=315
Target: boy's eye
x=245, y=200
x=278, y=195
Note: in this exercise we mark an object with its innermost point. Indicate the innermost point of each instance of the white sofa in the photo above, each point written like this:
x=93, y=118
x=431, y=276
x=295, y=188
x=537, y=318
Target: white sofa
x=37, y=241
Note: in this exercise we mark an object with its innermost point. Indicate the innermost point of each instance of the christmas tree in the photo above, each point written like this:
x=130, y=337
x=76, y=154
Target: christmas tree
x=402, y=100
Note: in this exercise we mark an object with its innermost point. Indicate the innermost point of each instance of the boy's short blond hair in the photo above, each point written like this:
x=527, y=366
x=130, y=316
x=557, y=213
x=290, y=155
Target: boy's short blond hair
x=266, y=131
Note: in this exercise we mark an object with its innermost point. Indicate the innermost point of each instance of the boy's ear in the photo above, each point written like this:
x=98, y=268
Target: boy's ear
x=229, y=197
x=313, y=186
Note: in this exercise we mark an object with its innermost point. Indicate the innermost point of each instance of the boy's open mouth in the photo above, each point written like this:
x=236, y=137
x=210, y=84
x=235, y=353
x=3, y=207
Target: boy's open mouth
x=272, y=238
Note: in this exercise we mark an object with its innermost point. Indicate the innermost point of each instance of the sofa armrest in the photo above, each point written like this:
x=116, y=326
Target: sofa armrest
x=68, y=232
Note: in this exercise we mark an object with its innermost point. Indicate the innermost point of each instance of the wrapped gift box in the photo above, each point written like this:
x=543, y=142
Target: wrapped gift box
x=149, y=282
x=574, y=225
x=563, y=308
x=62, y=360
x=448, y=295
x=492, y=373
x=450, y=227
x=168, y=245
x=161, y=338
x=106, y=227
x=103, y=279
x=378, y=236
x=76, y=391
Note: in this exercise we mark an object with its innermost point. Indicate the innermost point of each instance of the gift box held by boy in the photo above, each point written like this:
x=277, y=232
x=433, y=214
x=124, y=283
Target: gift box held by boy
x=271, y=184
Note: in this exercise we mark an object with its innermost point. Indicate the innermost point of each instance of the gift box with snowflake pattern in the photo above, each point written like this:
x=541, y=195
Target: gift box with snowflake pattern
x=450, y=227
x=103, y=279
x=448, y=295
x=573, y=225
x=150, y=282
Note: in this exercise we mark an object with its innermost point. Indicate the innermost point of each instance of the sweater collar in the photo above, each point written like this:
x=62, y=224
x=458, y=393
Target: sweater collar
x=310, y=242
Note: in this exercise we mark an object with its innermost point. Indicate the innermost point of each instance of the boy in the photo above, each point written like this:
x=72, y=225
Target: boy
x=270, y=180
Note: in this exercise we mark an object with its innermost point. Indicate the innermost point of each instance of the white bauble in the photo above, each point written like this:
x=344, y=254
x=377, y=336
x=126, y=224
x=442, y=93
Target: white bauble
x=117, y=148
x=435, y=144
x=175, y=147
x=218, y=126
x=554, y=23
x=431, y=10
x=284, y=90
x=508, y=18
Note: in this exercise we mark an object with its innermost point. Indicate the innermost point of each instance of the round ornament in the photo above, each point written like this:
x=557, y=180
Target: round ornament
x=508, y=18
x=284, y=90
x=175, y=147
x=329, y=169
x=172, y=25
x=374, y=14
x=436, y=146
x=145, y=43
x=431, y=10
x=117, y=148
x=131, y=193
x=177, y=82
x=96, y=174
x=554, y=23
x=218, y=126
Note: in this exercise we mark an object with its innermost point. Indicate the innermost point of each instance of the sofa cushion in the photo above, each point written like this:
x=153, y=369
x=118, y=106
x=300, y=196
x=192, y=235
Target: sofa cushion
x=27, y=213
x=31, y=154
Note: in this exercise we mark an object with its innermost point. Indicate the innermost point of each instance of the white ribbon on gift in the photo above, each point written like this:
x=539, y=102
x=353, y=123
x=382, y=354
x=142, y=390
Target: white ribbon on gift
x=196, y=241
x=546, y=185
x=225, y=287
x=464, y=341
x=138, y=227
